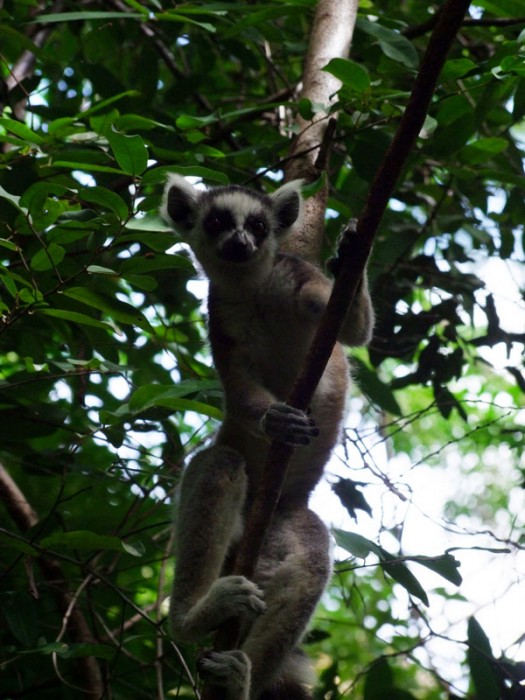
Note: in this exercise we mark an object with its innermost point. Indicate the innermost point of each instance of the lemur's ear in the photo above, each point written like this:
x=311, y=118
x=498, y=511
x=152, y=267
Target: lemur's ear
x=288, y=206
x=179, y=203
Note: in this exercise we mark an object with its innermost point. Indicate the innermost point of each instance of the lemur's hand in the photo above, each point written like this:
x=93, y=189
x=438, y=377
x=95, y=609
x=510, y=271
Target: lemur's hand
x=344, y=247
x=288, y=424
x=229, y=669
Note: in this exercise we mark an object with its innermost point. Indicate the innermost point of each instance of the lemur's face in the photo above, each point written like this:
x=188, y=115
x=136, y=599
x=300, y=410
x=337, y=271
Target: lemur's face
x=231, y=228
x=236, y=224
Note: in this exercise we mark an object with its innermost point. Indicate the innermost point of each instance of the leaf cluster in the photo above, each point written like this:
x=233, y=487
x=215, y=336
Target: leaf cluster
x=105, y=379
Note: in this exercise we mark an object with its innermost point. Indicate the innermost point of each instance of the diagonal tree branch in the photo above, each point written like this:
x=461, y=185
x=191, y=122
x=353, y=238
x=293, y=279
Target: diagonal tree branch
x=450, y=20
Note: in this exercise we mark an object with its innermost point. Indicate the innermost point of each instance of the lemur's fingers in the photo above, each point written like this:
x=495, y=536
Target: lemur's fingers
x=237, y=597
x=288, y=424
x=230, y=669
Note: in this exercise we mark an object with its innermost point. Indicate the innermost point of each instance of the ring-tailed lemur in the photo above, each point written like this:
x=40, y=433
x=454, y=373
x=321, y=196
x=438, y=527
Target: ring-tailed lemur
x=264, y=308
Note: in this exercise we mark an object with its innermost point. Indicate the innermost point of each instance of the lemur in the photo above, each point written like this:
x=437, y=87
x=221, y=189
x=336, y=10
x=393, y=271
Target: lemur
x=263, y=310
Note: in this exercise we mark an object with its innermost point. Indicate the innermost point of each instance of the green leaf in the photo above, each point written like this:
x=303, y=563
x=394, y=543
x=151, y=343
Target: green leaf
x=21, y=130
x=106, y=199
x=189, y=121
x=99, y=270
x=20, y=613
x=119, y=311
x=8, y=244
x=376, y=390
x=183, y=405
x=85, y=539
x=361, y=547
x=178, y=17
x=75, y=317
x=47, y=258
x=165, y=396
x=74, y=651
x=393, y=44
x=13, y=199
x=18, y=544
x=402, y=574
x=379, y=683
x=356, y=545
x=157, y=176
x=85, y=167
x=130, y=152
x=456, y=68
x=482, y=149
x=85, y=16
x=158, y=262
x=351, y=74
x=481, y=663
x=445, y=565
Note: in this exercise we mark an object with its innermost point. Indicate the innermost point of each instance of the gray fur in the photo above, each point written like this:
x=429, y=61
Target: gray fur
x=264, y=310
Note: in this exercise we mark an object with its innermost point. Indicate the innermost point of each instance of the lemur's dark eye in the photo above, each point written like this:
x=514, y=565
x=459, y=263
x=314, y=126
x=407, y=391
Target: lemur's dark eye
x=214, y=225
x=257, y=226
x=217, y=221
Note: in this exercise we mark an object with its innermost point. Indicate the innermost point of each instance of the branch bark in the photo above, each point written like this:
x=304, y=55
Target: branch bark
x=332, y=31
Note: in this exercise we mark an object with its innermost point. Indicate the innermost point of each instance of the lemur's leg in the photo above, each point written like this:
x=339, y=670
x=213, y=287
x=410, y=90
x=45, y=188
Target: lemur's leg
x=293, y=571
x=208, y=519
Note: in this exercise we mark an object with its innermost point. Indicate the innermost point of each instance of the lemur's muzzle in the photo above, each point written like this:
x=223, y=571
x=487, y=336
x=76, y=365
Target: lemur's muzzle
x=239, y=247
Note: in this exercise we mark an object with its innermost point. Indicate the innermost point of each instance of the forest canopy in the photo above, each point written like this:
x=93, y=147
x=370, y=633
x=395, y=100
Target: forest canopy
x=106, y=381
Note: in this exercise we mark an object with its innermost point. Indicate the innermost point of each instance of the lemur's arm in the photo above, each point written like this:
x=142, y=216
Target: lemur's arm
x=257, y=409
x=359, y=323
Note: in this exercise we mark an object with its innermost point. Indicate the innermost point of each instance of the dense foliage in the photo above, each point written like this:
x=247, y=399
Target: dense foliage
x=105, y=379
